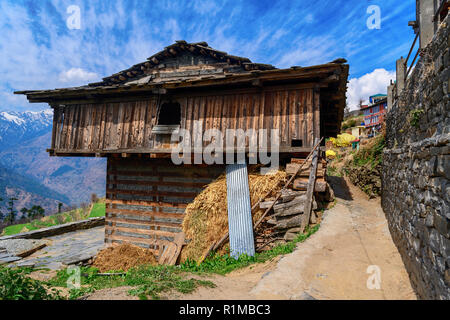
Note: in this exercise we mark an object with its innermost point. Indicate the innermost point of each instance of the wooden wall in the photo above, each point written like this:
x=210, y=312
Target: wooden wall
x=128, y=125
x=146, y=198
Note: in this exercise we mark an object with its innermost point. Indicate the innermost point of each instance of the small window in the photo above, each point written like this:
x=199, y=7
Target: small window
x=169, y=118
x=296, y=143
x=170, y=114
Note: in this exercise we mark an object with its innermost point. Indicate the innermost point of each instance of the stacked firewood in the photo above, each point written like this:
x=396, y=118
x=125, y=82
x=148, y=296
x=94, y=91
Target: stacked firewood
x=301, y=182
x=287, y=218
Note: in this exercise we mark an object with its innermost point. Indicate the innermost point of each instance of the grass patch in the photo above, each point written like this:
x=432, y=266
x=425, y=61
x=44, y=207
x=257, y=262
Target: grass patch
x=98, y=210
x=414, y=117
x=151, y=281
x=148, y=281
x=16, y=285
x=224, y=264
x=333, y=171
x=371, y=154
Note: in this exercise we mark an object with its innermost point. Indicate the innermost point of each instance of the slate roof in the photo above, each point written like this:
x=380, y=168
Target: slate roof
x=199, y=48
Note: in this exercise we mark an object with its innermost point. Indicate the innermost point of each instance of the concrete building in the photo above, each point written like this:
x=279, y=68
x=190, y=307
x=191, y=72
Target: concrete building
x=375, y=111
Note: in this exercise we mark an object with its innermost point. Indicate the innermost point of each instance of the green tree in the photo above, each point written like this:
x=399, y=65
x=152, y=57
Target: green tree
x=59, y=207
x=24, y=212
x=1, y=213
x=36, y=212
x=11, y=212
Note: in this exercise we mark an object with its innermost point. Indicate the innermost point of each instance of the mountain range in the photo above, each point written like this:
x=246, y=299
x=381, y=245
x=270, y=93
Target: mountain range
x=29, y=174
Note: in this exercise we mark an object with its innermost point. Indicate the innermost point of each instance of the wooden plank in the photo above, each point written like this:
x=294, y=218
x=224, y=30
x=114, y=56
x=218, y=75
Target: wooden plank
x=301, y=184
x=171, y=251
x=284, y=114
x=309, y=117
x=157, y=193
x=218, y=113
x=261, y=111
x=292, y=120
x=101, y=130
x=96, y=114
x=161, y=183
x=86, y=127
x=189, y=115
x=114, y=124
x=147, y=213
x=64, y=128
x=148, y=232
x=316, y=124
x=132, y=136
x=160, y=224
x=55, y=126
x=70, y=126
x=256, y=111
x=141, y=123
x=291, y=168
x=310, y=188
x=146, y=203
x=108, y=123
x=82, y=120
x=210, y=105
x=76, y=125
x=152, y=242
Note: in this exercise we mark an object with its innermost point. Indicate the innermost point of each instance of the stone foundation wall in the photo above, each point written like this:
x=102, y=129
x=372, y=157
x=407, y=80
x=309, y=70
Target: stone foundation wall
x=416, y=170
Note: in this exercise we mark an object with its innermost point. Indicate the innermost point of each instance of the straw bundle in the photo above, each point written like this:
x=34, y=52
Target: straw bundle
x=206, y=219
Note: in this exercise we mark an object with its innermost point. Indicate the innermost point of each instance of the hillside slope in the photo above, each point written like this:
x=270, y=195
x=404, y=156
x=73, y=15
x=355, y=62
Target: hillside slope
x=29, y=192
x=24, y=138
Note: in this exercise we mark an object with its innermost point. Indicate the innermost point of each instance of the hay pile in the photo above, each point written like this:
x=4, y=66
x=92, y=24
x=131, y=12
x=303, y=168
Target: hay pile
x=206, y=219
x=123, y=257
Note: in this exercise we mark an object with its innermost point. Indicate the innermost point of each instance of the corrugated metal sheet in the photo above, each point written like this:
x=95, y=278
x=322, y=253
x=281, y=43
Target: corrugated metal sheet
x=239, y=211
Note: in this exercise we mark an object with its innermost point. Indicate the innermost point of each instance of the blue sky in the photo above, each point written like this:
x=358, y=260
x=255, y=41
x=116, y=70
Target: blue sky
x=39, y=51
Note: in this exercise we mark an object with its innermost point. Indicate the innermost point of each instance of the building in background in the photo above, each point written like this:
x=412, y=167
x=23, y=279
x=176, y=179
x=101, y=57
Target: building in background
x=374, y=113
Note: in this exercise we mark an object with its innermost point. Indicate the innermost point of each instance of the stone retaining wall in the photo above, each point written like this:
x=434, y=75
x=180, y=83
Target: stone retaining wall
x=59, y=229
x=416, y=171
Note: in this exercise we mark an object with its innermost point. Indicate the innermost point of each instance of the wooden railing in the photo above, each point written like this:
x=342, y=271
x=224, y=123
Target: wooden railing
x=409, y=55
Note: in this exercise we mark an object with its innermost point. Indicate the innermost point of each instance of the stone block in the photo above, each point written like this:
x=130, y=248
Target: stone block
x=434, y=240
x=442, y=224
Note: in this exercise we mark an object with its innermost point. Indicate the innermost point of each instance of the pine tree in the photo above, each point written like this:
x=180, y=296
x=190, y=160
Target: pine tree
x=1, y=213
x=36, y=212
x=11, y=212
x=25, y=212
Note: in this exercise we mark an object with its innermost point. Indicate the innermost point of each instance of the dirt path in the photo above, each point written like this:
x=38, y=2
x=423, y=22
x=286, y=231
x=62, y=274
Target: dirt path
x=331, y=264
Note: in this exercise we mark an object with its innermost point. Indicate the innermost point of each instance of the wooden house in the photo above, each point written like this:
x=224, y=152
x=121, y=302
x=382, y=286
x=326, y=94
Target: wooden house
x=127, y=118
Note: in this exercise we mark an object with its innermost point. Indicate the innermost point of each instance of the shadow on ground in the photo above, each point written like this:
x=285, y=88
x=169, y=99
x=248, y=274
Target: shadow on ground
x=340, y=187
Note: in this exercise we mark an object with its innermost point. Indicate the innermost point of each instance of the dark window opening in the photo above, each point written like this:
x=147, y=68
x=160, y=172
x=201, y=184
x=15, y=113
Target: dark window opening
x=296, y=143
x=170, y=114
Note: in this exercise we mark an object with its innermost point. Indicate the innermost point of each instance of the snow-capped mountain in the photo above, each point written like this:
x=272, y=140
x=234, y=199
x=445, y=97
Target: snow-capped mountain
x=24, y=138
x=16, y=127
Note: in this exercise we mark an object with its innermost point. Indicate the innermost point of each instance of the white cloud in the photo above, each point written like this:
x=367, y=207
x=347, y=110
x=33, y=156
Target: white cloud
x=309, y=18
x=310, y=51
x=369, y=84
x=77, y=75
